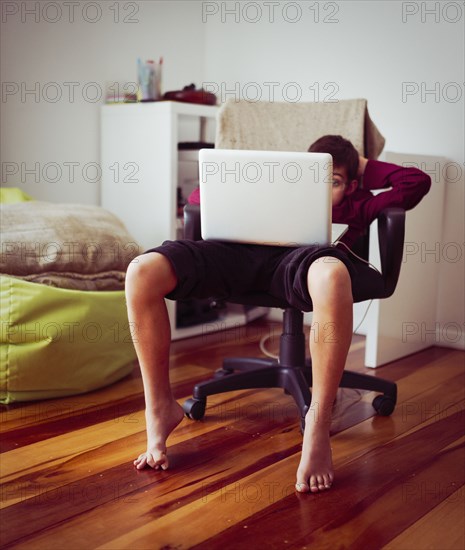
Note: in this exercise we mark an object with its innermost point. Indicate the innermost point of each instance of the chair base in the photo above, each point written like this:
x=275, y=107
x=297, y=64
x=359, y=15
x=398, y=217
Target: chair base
x=242, y=373
x=292, y=373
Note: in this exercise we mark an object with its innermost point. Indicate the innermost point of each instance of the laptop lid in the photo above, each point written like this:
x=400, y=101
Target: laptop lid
x=266, y=197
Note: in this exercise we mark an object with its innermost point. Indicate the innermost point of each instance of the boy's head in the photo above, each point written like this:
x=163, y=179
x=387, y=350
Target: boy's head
x=345, y=164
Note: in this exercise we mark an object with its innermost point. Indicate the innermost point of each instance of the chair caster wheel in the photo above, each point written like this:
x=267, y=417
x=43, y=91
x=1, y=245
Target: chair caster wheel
x=383, y=405
x=195, y=408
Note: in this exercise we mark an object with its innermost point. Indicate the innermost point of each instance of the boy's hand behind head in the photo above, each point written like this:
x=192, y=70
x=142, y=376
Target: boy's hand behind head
x=362, y=163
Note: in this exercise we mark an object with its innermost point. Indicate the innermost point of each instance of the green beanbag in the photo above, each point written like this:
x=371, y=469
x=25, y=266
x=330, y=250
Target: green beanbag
x=57, y=342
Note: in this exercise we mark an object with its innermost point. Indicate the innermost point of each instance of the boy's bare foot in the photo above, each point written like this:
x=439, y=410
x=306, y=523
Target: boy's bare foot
x=315, y=472
x=160, y=423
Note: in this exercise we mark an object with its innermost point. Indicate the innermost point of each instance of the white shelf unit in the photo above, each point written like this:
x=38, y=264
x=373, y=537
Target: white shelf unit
x=140, y=177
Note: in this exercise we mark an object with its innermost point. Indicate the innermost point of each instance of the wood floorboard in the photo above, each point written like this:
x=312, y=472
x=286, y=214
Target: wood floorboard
x=368, y=487
x=68, y=480
x=445, y=522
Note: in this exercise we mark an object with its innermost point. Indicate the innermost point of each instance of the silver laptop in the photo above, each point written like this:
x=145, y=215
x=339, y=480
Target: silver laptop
x=267, y=197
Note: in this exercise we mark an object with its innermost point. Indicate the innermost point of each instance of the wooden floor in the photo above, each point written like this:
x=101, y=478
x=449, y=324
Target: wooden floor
x=68, y=481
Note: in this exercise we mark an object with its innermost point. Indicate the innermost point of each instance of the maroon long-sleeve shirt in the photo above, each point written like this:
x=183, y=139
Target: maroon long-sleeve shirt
x=406, y=187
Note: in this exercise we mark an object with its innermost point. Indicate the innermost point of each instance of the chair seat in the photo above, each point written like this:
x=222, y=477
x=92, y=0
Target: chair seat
x=367, y=285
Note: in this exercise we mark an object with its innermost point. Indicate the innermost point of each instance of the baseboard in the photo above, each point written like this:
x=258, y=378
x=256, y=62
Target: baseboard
x=451, y=335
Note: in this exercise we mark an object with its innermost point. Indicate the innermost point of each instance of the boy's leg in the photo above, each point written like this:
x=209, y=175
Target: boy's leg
x=329, y=285
x=201, y=269
x=149, y=279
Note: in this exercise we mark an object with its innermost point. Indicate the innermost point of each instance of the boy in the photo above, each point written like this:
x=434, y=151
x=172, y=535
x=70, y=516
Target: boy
x=188, y=269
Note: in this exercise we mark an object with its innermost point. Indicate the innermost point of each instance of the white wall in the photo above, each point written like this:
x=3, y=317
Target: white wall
x=365, y=49
x=392, y=53
x=46, y=56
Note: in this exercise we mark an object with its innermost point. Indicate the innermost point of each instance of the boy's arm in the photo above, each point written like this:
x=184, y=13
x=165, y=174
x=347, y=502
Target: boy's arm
x=407, y=186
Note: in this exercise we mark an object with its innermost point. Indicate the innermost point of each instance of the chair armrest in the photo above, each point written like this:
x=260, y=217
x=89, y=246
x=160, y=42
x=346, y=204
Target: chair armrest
x=391, y=233
x=192, y=227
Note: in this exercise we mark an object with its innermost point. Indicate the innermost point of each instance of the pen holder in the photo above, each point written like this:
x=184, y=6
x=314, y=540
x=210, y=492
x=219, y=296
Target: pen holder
x=149, y=78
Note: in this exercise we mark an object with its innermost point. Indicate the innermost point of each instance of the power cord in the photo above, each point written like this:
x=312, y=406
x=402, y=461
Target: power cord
x=263, y=348
x=358, y=257
x=369, y=264
x=267, y=336
x=363, y=318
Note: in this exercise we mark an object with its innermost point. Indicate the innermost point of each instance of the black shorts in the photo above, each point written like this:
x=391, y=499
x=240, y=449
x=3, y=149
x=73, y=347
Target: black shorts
x=224, y=270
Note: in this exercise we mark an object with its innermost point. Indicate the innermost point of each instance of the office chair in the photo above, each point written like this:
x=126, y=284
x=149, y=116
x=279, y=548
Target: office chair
x=292, y=371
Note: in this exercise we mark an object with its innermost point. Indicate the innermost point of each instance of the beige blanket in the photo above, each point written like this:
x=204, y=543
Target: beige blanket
x=74, y=246
x=287, y=126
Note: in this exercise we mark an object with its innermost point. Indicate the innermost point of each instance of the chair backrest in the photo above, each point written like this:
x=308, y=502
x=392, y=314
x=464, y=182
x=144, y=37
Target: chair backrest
x=284, y=126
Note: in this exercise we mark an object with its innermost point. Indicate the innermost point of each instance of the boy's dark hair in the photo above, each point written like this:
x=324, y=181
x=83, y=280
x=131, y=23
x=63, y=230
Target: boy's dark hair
x=342, y=151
